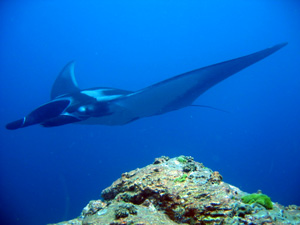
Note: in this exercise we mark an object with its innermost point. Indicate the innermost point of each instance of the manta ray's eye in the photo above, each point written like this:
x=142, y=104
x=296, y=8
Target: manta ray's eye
x=82, y=109
x=86, y=109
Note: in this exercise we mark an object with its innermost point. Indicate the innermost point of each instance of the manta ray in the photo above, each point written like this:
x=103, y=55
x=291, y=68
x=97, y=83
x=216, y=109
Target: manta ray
x=112, y=106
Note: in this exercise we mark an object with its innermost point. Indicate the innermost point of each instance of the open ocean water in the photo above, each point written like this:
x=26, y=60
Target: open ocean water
x=49, y=175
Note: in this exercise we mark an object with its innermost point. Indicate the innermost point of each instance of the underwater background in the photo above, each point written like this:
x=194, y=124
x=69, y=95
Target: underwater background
x=49, y=174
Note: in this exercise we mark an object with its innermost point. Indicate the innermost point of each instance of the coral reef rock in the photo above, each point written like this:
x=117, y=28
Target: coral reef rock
x=178, y=191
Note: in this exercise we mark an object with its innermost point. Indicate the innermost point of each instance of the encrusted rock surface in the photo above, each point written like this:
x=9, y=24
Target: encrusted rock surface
x=178, y=191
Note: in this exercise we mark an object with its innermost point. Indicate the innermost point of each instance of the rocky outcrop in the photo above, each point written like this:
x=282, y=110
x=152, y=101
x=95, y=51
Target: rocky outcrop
x=179, y=191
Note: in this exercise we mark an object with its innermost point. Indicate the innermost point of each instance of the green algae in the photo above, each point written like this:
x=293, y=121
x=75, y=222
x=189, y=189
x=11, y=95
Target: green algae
x=181, y=179
x=181, y=159
x=261, y=199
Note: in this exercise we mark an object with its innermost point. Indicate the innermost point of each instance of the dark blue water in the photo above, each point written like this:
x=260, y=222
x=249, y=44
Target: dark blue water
x=49, y=175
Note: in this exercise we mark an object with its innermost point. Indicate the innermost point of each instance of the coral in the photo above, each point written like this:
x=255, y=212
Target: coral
x=149, y=195
x=215, y=177
x=161, y=159
x=124, y=210
x=189, y=167
x=261, y=199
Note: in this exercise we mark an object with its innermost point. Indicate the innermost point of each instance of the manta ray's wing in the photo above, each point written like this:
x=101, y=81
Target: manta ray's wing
x=65, y=82
x=180, y=91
